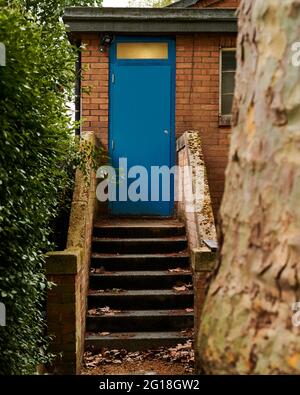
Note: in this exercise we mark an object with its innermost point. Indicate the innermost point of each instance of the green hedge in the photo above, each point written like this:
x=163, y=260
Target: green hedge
x=34, y=140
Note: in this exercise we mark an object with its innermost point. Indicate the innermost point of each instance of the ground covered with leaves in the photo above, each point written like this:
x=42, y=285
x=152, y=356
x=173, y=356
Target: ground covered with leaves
x=177, y=360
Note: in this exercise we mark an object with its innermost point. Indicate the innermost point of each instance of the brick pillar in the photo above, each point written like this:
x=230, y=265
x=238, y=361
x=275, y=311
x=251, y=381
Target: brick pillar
x=203, y=262
x=63, y=306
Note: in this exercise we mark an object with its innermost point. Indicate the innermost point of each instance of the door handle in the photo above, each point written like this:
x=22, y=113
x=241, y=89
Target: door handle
x=166, y=131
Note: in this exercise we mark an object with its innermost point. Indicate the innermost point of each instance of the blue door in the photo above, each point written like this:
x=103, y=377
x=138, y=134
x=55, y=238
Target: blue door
x=142, y=125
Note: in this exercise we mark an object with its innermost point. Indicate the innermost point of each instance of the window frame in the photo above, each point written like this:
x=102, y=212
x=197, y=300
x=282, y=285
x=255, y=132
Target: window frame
x=141, y=39
x=224, y=119
x=163, y=44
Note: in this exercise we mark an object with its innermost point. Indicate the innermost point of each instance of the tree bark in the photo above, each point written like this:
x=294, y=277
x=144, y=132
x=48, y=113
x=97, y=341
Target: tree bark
x=247, y=323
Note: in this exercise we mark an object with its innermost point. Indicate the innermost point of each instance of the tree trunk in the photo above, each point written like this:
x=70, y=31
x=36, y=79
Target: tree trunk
x=247, y=323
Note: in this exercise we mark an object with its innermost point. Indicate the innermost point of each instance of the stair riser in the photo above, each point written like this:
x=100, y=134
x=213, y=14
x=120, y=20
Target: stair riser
x=116, y=264
x=127, y=324
x=142, y=249
x=138, y=282
x=136, y=247
x=136, y=232
x=141, y=302
x=130, y=344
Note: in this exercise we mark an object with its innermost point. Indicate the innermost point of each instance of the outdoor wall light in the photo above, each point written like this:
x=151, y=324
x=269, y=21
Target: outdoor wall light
x=105, y=42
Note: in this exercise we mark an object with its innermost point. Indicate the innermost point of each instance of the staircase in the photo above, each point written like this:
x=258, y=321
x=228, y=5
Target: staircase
x=132, y=302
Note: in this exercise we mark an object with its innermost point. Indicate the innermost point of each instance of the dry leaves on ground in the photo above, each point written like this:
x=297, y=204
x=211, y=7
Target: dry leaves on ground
x=189, y=310
x=103, y=311
x=181, y=354
x=101, y=291
x=99, y=270
x=179, y=270
x=183, y=288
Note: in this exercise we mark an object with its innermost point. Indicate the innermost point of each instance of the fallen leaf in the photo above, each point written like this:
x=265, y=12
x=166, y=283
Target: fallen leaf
x=180, y=289
x=179, y=270
x=115, y=290
x=188, y=310
x=104, y=309
x=104, y=333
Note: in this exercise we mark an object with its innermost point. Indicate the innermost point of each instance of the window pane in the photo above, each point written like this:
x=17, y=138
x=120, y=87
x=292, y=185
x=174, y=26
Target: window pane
x=142, y=50
x=228, y=82
x=228, y=60
x=227, y=101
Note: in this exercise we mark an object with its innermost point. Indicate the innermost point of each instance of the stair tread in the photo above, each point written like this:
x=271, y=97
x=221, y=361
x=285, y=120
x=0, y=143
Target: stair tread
x=138, y=223
x=139, y=226
x=139, y=256
x=140, y=253
x=143, y=292
x=144, y=313
x=140, y=240
x=138, y=273
x=138, y=335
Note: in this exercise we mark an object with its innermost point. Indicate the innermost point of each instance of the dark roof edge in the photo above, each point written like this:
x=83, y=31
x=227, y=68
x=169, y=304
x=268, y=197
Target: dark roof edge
x=93, y=13
x=150, y=20
x=182, y=4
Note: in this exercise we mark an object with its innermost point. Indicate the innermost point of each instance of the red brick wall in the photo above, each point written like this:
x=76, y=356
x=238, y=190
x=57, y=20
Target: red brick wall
x=197, y=97
x=197, y=101
x=61, y=323
x=95, y=82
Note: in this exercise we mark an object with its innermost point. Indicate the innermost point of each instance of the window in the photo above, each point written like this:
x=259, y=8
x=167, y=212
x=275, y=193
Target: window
x=228, y=69
x=142, y=50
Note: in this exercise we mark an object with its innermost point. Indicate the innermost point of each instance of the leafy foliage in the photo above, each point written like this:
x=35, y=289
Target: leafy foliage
x=35, y=162
x=51, y=10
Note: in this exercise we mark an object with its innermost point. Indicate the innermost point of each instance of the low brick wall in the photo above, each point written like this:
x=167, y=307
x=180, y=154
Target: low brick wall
x=195, y=210
x=194, y=206
x=203, y=263
x=69, y=271
x=65, y=270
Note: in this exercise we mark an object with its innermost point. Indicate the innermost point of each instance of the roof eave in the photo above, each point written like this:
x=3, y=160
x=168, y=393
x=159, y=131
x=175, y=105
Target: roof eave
x=149, y=20
x=183, y=4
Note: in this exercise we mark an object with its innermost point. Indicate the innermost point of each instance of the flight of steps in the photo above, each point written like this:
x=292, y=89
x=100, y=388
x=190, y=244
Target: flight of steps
x=132, y=302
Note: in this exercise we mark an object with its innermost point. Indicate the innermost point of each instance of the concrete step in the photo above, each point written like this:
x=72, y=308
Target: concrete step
x=138, y=227
x=143, y=245
x=135, y=257
x=141, y=320
x=135, y=341
x=139, y=230
x=113, y=262
x=141, y=299
x=139, y=279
